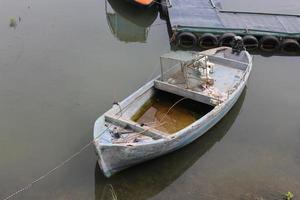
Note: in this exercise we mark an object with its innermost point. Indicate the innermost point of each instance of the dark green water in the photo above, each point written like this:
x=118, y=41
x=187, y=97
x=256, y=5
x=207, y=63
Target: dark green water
x=62, y=67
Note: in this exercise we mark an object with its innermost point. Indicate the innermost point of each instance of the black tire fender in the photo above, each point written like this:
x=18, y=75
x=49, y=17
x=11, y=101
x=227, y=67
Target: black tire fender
x=226, y=39
x=290, y=46
x=208, y=40
x=186, y=40
x=250, y=42
x=269, y=43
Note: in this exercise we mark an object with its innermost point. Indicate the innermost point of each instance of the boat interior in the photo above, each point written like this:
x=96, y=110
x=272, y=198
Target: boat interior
x=185, y=92
x=211, y=84
x=154, y=115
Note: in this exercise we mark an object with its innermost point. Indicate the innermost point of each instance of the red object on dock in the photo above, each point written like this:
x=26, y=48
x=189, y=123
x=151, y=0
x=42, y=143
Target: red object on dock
x=143, y=2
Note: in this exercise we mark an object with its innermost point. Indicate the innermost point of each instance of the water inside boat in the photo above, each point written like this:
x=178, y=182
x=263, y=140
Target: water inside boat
x=157, y=110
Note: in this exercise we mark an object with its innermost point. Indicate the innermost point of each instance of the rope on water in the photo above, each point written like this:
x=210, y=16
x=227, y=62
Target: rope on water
x=28, y=186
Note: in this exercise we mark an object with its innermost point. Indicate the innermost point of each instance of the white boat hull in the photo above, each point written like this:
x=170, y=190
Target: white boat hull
x=116, y=157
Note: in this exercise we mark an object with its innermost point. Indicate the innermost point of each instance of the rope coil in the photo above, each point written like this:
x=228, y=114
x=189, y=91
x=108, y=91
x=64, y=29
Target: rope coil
x=28, y=186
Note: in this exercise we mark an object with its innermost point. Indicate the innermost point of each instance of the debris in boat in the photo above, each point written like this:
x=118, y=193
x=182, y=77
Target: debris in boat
x=181, y=115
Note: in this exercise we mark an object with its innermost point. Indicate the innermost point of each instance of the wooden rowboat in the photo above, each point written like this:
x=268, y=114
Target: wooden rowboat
x=193, y=92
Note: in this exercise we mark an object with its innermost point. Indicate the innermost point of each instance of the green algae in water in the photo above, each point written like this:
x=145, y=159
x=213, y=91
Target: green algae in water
x=289, y=196
x=153, y=112
x=12, y=22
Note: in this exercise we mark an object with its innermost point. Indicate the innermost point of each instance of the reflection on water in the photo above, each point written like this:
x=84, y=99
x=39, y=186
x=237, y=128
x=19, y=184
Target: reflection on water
x=60, y=69
x=148, y=179
x=127, y=22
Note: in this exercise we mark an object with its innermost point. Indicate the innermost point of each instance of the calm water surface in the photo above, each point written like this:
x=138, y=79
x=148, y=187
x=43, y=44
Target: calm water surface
x=67, y=61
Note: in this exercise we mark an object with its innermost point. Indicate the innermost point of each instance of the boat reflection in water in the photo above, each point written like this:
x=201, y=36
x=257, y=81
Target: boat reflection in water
x=127, y=22
x=148, y=179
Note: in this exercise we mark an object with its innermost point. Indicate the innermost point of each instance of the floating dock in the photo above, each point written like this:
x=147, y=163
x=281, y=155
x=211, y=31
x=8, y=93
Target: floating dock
x=204, y=24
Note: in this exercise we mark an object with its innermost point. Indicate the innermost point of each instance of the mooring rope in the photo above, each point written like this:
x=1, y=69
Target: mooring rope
x=28, y=186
